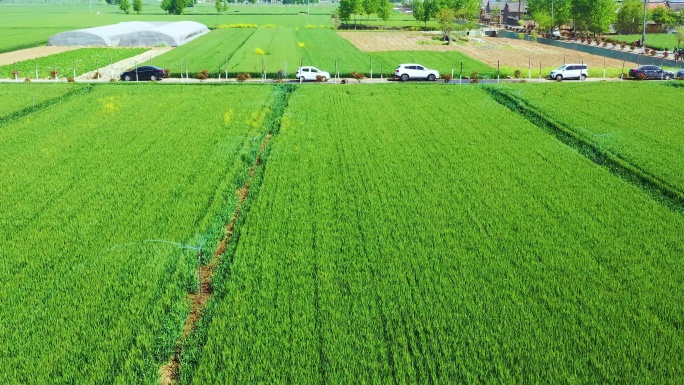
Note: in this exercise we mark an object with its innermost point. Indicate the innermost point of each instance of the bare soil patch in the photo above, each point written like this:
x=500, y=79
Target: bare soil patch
x=114, y=70
x=508, y=52
x=31, y=53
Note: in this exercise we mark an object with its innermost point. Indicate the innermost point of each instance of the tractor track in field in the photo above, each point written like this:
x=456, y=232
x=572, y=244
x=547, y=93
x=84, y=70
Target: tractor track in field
x=169, y=372
x=44, y=104
x=657, y=189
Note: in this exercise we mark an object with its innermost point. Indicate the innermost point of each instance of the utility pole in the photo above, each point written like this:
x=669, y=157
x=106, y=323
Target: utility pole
x=643, y=31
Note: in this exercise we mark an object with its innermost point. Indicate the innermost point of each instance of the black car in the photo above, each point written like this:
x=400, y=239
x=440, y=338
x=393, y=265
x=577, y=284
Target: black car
x=143, y=73
x=650, y=72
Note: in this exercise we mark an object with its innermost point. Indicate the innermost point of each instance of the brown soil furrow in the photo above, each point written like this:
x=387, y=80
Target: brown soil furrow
x=168, y=373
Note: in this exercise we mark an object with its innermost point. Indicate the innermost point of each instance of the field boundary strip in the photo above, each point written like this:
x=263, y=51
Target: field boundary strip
x=240, y=46
x=658, y=189
x=37, y=107
x=187, y=353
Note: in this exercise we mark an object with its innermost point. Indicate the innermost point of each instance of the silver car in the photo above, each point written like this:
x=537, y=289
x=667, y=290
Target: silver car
x=415, y=71
x=311, y=73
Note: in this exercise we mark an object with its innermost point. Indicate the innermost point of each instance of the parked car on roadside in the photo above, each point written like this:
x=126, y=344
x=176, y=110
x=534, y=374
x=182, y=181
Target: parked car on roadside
x=311, y=73
x=143, y=73
x=680, y=74
x=415, y=71
x=570, y=71
x=650, y=72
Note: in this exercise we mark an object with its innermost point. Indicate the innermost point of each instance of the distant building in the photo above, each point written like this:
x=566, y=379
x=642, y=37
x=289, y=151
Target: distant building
x=512, y=12
x=492, y=12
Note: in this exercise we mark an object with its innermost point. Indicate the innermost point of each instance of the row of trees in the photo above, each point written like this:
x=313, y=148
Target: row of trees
x=596, y=16
x=630, y=17
x=349, y=8
x=125, y=5
x=426, y=10
x=177, y=7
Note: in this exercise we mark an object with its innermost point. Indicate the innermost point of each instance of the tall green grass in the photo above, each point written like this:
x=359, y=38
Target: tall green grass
x=393, y=241
x=99, y=191
x=615, y=117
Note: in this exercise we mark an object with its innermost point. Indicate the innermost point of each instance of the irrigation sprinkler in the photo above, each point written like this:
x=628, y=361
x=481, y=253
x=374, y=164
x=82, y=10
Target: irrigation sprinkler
x=36, y=69
x=529, y=68
x=263, y=69
x=604, y=68
x=179, y=245
x=186, y=68
x=111, y=68
x=460, y=75
x=539, y=70
x=380, y=70
x=497, y=72
x=74, y=67
x=371, y=68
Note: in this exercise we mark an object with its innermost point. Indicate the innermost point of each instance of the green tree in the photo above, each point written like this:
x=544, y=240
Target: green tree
x=558, y=10
x=384, y=10
x=602, y=16
x=594, y=15
x=221, y=6
x=663, y=16
x=347, y=8
x=137, y=6
x=424, y=10
x=165, y=5
x=629, y=17
x=680, y=36
x=543, y=20
x=173, y=7
x=125, y=6
x=369, y=7
x=465, y=9
x=445, y=18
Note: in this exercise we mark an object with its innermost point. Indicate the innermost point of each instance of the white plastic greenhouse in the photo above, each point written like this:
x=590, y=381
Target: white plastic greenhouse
x=171, y=34
x=132, y=34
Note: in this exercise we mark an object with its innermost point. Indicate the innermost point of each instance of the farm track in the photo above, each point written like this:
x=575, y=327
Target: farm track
x=169, y=373
x=44, y=104
x=114, y=70
x=656, y=188
x=31, y=53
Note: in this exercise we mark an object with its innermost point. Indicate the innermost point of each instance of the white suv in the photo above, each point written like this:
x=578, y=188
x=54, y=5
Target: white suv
x=415, y=71
x=311, y=73
x=570, y=71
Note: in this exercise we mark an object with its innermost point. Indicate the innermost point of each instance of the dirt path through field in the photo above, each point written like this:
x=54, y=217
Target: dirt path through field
x=115, y=69
x=31, y=53
x=508, y=52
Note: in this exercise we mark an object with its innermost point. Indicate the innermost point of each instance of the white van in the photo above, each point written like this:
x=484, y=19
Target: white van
x=570, y=71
